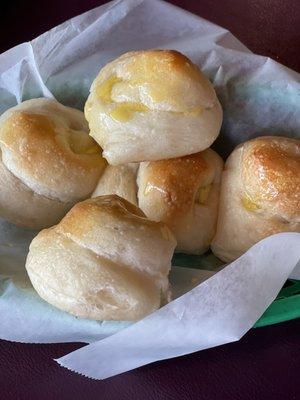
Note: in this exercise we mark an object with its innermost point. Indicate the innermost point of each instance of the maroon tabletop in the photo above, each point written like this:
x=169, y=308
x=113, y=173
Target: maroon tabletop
x=266, y=362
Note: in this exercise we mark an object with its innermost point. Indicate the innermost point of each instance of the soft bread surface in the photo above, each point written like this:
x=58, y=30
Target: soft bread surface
x=182, y=192
x=152, y=105
x=48, y=155
x=260, y=194
x=120, y=180
x=99, y=263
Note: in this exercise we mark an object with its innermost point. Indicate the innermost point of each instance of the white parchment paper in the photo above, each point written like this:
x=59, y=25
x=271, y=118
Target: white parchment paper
x=258, y=95
x=220, y=310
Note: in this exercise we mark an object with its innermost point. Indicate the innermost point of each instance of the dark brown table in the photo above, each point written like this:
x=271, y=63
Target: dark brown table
x=265, y=364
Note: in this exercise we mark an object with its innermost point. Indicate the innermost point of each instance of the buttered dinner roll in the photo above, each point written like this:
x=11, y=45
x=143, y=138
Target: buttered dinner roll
x=152, y=105
x=105, y=260
x=182, y=192
x=260, y=194
x=48, y=162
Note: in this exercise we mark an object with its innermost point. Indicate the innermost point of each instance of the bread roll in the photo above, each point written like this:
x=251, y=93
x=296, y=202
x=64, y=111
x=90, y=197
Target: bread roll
x=152, y=105
x=48, y=162
x=120, y=180
x=105, y=260
x=260, y=194
x=181, y=192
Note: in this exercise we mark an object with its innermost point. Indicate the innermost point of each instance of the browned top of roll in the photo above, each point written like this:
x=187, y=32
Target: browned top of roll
x=90, y=219
x=47, y=146
x=271, y=174
x=36, y=138
x=179, y=180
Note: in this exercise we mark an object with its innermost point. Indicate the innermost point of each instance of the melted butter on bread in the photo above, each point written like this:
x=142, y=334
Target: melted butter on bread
x=104, y=90
x=158, y=75
x=203, y=193
x=249, y=204
x=123, y=112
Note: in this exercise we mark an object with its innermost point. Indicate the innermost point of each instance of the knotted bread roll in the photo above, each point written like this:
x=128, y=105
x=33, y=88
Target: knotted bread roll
x=182, y=192
x=152, y=105
x=48, y=162
x=105, y=260
x=260, y=194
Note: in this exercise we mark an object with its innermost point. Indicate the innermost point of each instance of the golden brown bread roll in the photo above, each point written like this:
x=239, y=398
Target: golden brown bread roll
x=105, y=260
x=260, y=194
x=152, y=105
x=48, y=162
x=182, y=192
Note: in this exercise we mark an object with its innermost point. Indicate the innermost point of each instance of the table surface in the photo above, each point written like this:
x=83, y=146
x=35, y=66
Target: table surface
x=266, y=362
